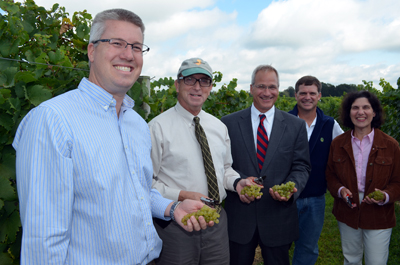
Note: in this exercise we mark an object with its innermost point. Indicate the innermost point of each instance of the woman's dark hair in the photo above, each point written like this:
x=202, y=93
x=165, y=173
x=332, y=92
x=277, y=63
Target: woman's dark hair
x=349, y=99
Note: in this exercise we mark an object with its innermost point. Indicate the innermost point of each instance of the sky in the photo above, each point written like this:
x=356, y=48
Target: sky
x=337, y=41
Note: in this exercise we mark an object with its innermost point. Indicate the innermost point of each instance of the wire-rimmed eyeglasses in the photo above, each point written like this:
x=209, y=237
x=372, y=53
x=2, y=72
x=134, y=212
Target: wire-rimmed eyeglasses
x=191, y=81
x=118, y=43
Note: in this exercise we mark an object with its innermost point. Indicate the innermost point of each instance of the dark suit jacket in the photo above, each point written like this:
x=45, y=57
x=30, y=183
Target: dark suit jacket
x=287, y=159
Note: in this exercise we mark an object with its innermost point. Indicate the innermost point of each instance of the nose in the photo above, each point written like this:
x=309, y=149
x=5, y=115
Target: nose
x=127, y=53
x=196, y=85
x=266, y=91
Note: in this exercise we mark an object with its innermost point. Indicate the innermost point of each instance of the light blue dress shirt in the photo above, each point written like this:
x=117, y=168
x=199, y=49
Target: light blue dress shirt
x=84, y=182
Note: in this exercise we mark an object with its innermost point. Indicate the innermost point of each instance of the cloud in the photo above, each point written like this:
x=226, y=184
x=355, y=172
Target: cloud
x=338, y=41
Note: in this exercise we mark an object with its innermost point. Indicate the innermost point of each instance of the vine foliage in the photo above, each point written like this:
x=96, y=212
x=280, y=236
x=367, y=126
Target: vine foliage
x=43, y=54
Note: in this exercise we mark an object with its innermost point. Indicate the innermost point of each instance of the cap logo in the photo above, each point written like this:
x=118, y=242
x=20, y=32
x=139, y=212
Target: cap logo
x=198, y=62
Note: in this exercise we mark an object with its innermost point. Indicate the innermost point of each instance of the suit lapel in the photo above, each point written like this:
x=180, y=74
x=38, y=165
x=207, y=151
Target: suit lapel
x=278, y=129
x=246, y=129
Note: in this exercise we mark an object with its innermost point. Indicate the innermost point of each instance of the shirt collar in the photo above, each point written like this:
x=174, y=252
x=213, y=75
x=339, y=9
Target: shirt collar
x=269, y=115
x=187, y=116
x=101, y=96
x=369, y=136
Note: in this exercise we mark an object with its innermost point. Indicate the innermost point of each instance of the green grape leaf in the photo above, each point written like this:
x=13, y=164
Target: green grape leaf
x=37, y=94
x=27, y=26
x=9, y=7
x=6, y=121
x=55, y=57
x=5, y=259
x=26, y=77
x=9, y=226
x=7, y=191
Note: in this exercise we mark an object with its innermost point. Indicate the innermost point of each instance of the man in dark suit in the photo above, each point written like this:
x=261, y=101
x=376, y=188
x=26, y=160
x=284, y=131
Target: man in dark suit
x=272, y=221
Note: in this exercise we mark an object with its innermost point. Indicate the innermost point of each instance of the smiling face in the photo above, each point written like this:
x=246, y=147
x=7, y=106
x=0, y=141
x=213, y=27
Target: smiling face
x=113, y=69
x=361, y=114
x=307, y=97
x=265, y=90
x=193, y=97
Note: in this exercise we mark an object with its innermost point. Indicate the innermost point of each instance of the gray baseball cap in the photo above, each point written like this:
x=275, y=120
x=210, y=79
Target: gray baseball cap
x=195, y=66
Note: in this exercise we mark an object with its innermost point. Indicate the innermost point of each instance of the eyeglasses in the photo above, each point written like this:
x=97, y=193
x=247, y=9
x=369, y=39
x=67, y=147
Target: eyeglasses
x=191, y=81
x=119, y=44
x=264, y=87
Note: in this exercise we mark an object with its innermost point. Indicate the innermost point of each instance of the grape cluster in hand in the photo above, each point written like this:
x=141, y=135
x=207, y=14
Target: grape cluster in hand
x=376, y=195
x=253, y=190
x=284, y=190
x=209, y=214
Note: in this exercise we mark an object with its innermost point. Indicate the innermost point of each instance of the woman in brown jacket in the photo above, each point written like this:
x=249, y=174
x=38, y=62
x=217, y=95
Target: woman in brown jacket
x=363, y=160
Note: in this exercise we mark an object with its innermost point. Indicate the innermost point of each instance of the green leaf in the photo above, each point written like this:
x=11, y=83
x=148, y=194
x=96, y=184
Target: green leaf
x=11, y=8
x=27, y=26
x=15, y=25
x=29, y=56
x=5, y=259
x=54, y=8
x=5, y=45
x=3, y=80
x=6, y=121
x=1, y=204
x=55, y=57
x=37, y=94
x=4, y=95
x=9, y=73
x=26, y=77
x=7, y=191
x=9, y=227
x=82, y=31
x=20, y=90
x=15, y=103
x=7, y=167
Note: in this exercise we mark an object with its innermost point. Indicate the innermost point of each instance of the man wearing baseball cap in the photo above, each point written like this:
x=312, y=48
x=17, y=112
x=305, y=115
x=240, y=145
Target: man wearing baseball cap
x=191, y=157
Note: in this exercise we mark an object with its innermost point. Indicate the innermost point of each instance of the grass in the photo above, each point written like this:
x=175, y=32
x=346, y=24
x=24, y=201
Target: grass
x=330, y=251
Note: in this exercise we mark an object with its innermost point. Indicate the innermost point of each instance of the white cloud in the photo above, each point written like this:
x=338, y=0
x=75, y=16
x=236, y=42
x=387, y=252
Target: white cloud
x=338, y=41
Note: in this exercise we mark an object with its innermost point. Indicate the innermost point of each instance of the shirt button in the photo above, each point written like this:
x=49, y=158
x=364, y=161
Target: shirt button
x=141, y=198
x=370, y=164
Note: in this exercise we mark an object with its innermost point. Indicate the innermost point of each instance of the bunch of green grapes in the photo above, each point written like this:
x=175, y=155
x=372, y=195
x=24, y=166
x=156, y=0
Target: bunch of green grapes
x=284, y=190
x=208, y=213
x=376, y=195
x=253, y=190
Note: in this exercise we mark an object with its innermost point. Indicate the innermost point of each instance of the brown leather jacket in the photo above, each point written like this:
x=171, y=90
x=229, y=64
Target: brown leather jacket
x=383, y=172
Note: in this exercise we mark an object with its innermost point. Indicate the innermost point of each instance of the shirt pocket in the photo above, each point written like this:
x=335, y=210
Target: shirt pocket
x=339, y=162
x=382, y=170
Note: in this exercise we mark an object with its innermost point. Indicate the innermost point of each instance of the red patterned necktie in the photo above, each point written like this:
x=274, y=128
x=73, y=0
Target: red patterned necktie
x=262, y=142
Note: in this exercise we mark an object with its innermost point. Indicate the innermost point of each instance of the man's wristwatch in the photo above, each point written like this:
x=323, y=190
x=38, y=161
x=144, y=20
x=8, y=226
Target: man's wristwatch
x=172, y=210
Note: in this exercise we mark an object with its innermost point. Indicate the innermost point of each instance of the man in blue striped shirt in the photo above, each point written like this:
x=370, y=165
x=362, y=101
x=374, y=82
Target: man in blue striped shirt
x=84, y=171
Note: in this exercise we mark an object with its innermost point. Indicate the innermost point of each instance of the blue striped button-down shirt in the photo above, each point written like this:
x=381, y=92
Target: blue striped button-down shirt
x=84, y=182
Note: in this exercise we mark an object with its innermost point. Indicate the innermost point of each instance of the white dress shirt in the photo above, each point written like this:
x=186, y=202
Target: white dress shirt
x=177, y=158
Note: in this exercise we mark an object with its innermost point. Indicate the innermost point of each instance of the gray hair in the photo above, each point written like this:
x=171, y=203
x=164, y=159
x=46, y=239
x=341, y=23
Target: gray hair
x=99, y=22
x=265, y=68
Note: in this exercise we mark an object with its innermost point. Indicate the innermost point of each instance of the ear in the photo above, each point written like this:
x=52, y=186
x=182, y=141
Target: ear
x=177, y=85
x=319, y=96
x=251, y=90
x=90, y=50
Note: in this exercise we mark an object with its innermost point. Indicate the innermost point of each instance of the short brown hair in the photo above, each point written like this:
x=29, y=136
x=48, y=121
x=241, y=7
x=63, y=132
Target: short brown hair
x=308, y=80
